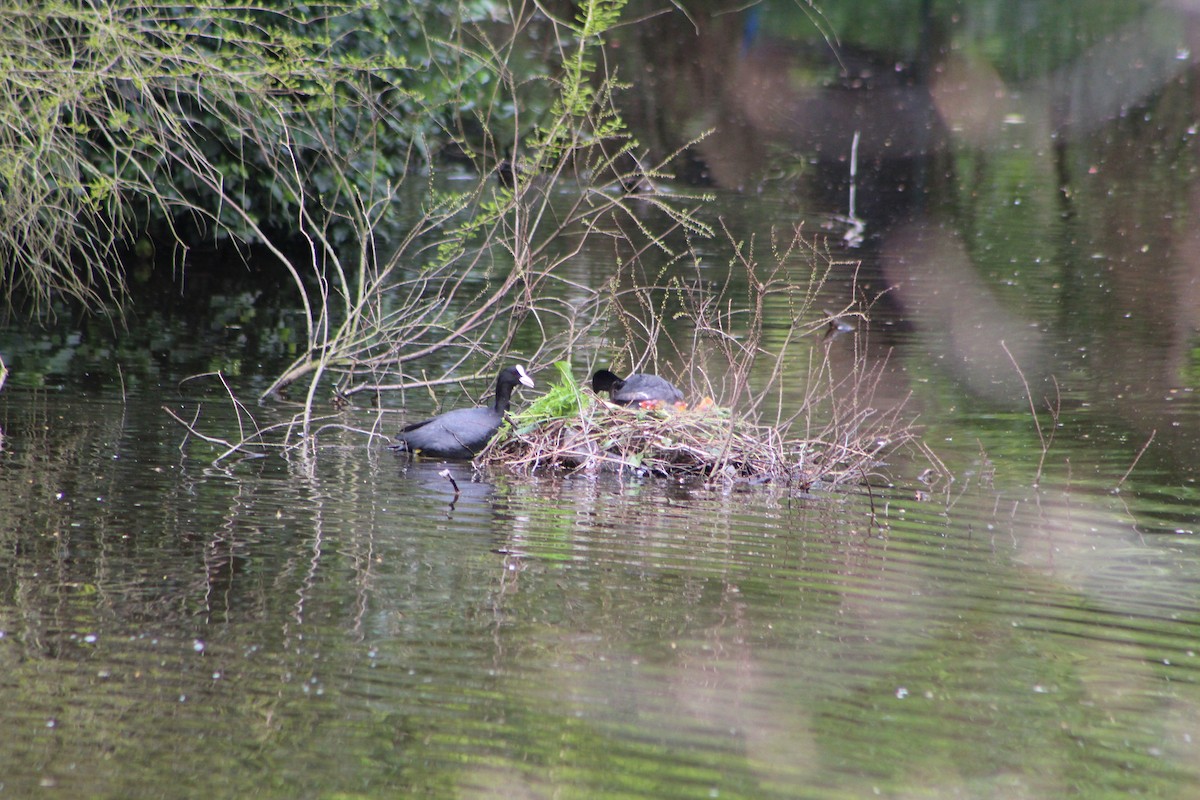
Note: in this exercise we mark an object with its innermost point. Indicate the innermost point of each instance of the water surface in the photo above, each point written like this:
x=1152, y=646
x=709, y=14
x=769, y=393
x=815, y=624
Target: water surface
x=1024, y=625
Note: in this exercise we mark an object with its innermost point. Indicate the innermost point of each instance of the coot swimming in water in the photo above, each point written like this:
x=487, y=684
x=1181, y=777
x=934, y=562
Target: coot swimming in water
x=637, y=388
x=463, y=432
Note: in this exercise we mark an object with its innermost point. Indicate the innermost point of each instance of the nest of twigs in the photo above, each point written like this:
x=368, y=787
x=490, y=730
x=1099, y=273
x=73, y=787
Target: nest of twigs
x=574, y=429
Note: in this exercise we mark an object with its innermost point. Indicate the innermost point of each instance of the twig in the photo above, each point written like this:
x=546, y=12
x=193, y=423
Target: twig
x=450, y=477
x=1136, y=459
x=1037, y=423
x=192, y=430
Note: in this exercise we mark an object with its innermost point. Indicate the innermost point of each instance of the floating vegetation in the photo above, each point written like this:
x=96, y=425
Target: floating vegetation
x=571, y=428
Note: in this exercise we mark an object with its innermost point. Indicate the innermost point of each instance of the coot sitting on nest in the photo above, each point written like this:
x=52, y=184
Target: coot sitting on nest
x=637, y=388
x=463, y=432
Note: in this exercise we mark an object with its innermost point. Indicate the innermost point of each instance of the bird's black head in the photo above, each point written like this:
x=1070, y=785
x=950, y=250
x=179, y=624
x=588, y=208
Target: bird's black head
x=605, y=381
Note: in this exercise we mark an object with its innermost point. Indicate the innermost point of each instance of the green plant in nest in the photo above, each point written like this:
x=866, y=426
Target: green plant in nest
x=563, y=400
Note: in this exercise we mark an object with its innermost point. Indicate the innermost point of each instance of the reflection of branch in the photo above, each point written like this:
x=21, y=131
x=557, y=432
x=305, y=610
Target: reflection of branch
x=252, y=444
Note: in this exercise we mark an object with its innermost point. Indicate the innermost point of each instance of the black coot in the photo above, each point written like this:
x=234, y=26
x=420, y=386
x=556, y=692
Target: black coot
x=463, y=432
x=637, y=388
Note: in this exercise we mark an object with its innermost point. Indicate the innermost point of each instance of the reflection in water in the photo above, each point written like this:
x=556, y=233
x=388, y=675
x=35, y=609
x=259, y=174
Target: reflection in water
x=589, y=635
x=456, y=483
x=353, y=626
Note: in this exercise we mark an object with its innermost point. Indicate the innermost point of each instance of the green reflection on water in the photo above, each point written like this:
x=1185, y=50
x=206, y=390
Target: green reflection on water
x=349, y=633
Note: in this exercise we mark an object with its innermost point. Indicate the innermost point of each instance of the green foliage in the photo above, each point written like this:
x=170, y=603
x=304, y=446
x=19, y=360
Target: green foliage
x=578, y=99
x=215, y=120
x=563, y=400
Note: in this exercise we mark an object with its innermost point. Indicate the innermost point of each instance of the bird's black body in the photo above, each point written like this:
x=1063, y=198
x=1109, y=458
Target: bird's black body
x=637, y=388
x=463, y=432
